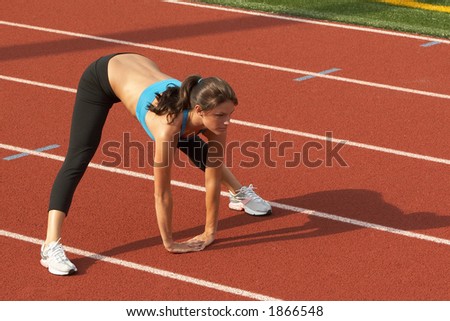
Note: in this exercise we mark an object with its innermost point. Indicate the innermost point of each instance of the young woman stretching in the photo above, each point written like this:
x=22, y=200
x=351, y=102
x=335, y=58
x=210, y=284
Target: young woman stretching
x=173, y=114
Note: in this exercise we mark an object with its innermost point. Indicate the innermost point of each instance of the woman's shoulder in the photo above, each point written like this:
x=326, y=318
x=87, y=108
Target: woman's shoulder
x=167, y=130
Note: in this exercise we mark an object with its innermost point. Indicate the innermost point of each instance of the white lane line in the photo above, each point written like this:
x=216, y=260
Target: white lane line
x=148, y=269
x=275, y=129
x=287, y=207
x=37, y=83
x=309, y=21
x=232, y=60
x=347, y=142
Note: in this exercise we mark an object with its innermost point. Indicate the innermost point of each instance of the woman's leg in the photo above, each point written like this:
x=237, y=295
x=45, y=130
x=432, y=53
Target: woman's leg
x=229, y=180
x=93, y=100
x=54, y=226
x=241, y=197
x=85, y=135
x=197, y=151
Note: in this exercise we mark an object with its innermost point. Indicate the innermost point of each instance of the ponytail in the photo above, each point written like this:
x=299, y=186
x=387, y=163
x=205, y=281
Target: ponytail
x=166, y=103
x=187, y=88
x=195, y=90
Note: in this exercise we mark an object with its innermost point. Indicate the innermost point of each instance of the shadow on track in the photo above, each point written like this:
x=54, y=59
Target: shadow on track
x=362, y=205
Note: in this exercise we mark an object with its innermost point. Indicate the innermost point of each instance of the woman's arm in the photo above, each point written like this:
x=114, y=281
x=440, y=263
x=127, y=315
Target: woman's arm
x=163, y=157
x=213, y=180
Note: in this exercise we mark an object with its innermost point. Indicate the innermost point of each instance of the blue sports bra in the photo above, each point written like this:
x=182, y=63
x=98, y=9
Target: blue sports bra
x=147, y=97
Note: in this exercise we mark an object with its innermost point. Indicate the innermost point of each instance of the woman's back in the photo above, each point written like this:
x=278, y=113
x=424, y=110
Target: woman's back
x=129, y=75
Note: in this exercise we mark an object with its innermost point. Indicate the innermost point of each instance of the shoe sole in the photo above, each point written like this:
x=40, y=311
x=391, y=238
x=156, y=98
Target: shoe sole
x=254, y=213
x=241, y=207
x=57, y=272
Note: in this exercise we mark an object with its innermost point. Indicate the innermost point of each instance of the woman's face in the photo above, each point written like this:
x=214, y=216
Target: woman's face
x=218, y=118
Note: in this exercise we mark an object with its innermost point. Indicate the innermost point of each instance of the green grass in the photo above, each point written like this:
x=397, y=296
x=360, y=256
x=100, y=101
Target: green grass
x=360, y=12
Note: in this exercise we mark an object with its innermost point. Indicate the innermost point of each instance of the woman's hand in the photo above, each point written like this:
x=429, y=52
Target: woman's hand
x=185, y=247
x=195, y=244
x=205, y=238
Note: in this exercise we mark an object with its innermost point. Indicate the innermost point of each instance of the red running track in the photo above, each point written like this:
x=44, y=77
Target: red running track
x=378, y=229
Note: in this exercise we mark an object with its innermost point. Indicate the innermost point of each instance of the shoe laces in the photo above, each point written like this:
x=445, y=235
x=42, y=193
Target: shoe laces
x=250, y=193
x=57, y=252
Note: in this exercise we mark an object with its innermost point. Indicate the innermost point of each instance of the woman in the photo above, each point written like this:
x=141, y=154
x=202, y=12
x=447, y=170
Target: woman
x=172, y=114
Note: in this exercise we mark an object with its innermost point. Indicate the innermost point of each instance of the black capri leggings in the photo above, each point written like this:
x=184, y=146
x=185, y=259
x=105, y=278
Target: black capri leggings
x=93, y=101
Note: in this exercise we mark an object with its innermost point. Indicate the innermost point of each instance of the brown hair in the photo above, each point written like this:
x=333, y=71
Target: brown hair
x=195, y=90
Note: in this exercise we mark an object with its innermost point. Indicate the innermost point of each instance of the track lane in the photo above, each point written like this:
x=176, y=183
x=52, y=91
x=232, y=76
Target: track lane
x=283, y=239
x=327, y=243
x=305, y=243
x=318, y=105
x=285, y=41
x=95, y=281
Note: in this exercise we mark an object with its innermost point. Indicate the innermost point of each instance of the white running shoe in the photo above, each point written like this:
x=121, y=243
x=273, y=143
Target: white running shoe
x=246, y=199
x=54, y=258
